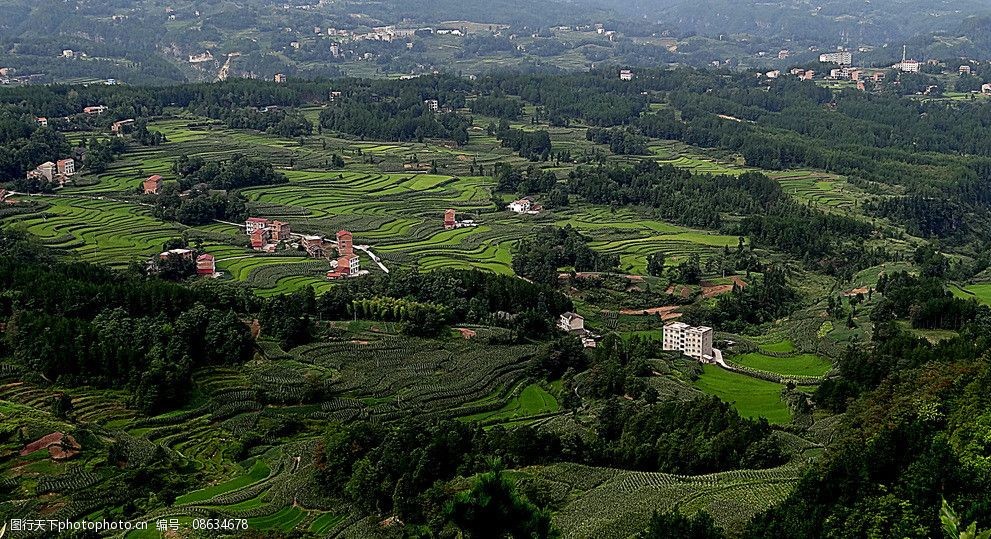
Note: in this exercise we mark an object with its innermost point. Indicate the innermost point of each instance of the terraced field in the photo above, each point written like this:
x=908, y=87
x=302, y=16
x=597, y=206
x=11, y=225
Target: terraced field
x=791, y=364
x=610, y=503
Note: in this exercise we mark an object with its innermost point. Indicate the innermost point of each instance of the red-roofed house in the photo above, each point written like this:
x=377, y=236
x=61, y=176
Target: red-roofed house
x=450, y=220
x=153, y=185
x=259, y=238
x=206, y=264
x=42, y=121
x=347, y=266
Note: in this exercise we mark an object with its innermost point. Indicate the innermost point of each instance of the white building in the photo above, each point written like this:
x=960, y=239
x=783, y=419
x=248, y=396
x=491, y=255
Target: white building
x=626, y=74
x=572, y=323
x=692, y=341
x=520, y=206
x=843, y=58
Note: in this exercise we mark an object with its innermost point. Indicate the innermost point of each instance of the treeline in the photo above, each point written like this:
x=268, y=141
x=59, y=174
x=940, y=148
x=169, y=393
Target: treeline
x=274, y=120
x=79, y=324
x=532, y=145
x=404, y=470
x=540, y=258
x=425, y=304
x=502, y=107
x=620, y=141
x=207, y=190
x=399, y=120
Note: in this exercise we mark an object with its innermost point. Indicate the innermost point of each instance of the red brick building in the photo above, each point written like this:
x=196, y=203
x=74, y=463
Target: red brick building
x=280, y=230
x=153, y=185
x=450, y=220
x=206, y=264
x=345, y=243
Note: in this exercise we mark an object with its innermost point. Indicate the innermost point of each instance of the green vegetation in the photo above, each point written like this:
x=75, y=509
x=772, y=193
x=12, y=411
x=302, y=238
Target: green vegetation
x=750, y=396
x=797, y=365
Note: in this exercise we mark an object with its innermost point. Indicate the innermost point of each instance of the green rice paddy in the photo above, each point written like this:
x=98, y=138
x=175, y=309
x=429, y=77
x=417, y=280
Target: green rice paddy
x=750, y=396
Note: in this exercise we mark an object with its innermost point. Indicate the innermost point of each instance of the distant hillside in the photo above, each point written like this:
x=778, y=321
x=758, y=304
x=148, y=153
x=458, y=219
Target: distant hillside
x=861, y=21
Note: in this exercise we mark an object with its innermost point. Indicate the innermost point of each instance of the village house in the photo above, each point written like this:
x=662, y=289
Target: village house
x=117, y=127
x=43, y=122
x=986, y=88
x=97, y=109
x=450, y=219
x=66, y=167
x=695, y=342
x=153, y=185
x=347, y=263
x=45, y=171
x=571, y=322
x=206, y=264
x=280, y=230
x=965, y=70
x=252, y=224
x=522, y=205
x=313, y=245
x=259, y=239
x=185, y=254
x=626, y=74
x=280, y=78
x=432, y=104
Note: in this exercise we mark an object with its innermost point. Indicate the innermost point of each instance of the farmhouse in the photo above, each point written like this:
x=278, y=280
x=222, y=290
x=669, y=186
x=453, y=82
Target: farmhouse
x=626, y=74
x=280, y=78
x=524, y=205
x=206, y=264
x=251, y=224
x=153, y=185
x=695, y=342
x=347, y=264
x=98, y=109
x=43, y=122
x=450, y=219
x=259, y=239
x=118, y=127
x=66, y=167
x=313, y=246
x=280, y=230
x=571, y=322
x=185, y=254
x=45, y=171
x=432, y=104
x=986, y=88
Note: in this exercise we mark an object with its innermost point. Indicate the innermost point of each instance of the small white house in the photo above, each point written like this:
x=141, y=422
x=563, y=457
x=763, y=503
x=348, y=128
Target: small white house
x=571, y=322
x=520, y=206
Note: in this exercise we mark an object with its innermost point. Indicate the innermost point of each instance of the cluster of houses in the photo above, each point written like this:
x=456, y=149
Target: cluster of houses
x=265, y=234
x=451, y=221
x=59, y=172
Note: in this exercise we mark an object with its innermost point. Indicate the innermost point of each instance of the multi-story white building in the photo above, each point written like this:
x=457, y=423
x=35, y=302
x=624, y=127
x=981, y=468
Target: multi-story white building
x=844, y=58
x=692, y=341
